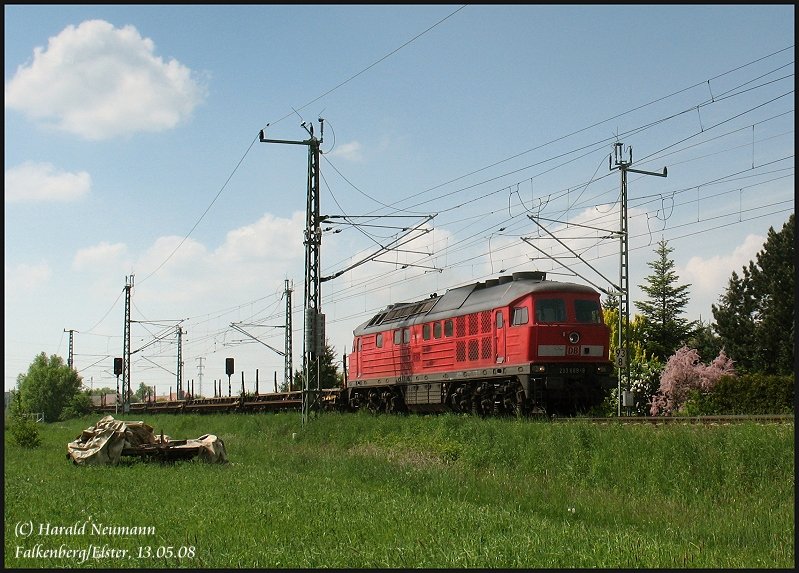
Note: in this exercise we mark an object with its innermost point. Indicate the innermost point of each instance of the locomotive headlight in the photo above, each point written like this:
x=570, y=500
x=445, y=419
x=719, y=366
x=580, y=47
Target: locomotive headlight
x=574, y=337
x=538, y=368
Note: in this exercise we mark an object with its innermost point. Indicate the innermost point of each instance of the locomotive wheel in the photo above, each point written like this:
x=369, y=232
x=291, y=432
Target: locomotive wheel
x=374, y=402
x=394, y=402
x=461, y=400
x=520, y=407
x=355, y=401
x=483, y=400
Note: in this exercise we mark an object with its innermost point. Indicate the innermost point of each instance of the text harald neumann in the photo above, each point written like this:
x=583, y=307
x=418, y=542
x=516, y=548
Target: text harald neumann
x=90, y=528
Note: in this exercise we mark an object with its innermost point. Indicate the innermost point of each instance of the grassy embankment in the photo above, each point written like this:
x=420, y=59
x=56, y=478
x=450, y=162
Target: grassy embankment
x=442, y=491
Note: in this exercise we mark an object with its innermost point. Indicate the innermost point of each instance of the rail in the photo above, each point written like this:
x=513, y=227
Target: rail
x=655, y=420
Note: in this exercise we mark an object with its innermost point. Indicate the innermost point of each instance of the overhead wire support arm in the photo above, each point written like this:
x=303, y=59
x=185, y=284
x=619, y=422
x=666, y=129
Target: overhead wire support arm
x=384, y=249
x=611, y=232
x=265, y=140
x=564, y=245
x=245, y=333
x=606, y=291
x=157, y=338
x=406, y=265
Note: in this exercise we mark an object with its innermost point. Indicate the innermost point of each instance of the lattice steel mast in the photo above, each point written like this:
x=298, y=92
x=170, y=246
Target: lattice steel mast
x=623, y=349
x=313, y=341
x=126, y=348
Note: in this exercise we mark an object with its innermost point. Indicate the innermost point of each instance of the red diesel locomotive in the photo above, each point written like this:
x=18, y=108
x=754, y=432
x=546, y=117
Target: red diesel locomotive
x=517, y=344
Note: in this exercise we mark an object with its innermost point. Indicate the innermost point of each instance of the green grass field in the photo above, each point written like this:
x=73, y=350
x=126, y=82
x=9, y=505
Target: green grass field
x=357, y=491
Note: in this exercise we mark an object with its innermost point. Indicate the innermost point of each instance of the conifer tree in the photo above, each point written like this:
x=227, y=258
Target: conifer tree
x=755, y=317
x=735, y=319
x=664, y=330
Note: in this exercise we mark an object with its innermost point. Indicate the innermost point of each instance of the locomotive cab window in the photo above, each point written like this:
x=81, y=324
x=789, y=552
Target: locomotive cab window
x=587, y=311
x=550, y=310
x=520, y=316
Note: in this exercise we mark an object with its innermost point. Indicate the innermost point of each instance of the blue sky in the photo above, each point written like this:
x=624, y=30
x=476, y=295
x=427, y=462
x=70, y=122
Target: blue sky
x=131, y=148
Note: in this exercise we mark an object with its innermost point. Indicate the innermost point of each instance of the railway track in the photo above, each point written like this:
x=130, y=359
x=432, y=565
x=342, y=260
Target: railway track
x=272, y=402
x=657, y=420
x=292, y=402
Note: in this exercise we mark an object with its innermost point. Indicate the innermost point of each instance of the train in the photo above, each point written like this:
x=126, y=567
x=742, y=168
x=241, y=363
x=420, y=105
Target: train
x=514, y=345
x=517, y=344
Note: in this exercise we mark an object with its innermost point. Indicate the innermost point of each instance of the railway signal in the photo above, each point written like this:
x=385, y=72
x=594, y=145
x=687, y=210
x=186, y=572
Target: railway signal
x=229, y=371
x=118, y=367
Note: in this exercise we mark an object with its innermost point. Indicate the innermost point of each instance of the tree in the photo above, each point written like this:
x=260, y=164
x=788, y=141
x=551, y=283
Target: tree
x=48, y=386
x=735, y=319
x=329, y=375
x=141, y=394
x=755, y=316
x=704, y=340
x=610, y=313
x=664, y=330
x=329, y=370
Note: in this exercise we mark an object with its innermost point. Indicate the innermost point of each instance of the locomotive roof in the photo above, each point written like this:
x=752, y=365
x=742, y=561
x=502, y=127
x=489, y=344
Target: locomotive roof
x=466, y=299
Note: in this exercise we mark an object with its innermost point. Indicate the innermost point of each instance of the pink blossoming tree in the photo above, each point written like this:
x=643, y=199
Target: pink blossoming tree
x=685, y=372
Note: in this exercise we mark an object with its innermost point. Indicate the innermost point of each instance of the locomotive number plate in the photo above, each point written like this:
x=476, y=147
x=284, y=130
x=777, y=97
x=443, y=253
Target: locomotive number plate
x=571, y=370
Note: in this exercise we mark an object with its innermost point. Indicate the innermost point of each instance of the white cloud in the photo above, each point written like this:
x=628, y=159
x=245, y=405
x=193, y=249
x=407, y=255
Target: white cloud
x=349, y=151
x=23, y=278
x=182, y=255
x=38, y=182
x=98, y=81
x=711, y=276
x=99, y=257
x=175, y=274
x=270, y=237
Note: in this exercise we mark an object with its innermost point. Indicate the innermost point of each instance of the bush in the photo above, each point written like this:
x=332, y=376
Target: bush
x=24, y=431
x=78, y=406
x=750, y=394
x=644, y=383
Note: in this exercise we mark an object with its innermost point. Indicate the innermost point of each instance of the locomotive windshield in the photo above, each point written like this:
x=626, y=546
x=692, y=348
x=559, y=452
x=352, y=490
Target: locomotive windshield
x=587, y=311
x=554, y=310
x=550, y=310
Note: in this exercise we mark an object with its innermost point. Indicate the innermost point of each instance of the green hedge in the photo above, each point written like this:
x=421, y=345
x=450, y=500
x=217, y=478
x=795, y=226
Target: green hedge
x=745, y=394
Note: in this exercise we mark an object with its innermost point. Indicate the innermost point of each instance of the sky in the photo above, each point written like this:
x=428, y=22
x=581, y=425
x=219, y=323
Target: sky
x=460, y=143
